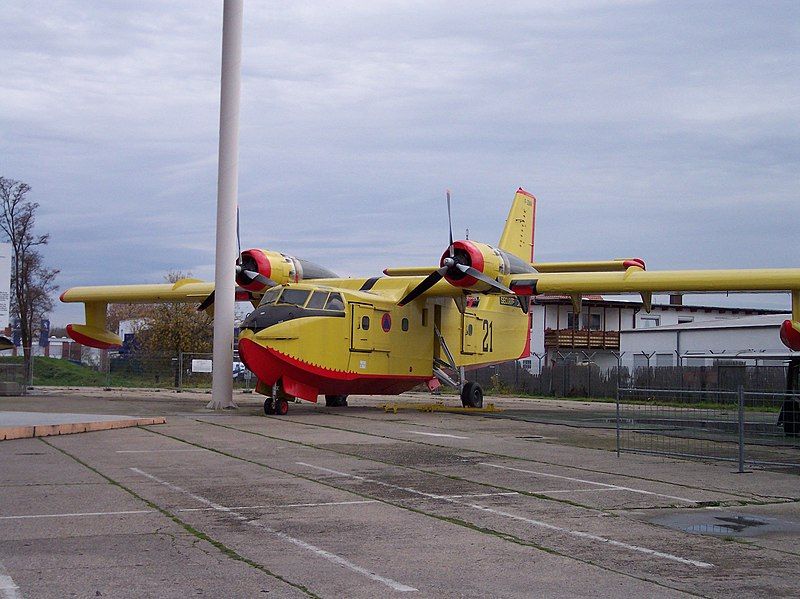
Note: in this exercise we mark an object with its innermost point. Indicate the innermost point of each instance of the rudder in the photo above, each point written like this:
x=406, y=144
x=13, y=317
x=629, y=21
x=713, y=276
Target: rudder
x=517, y=237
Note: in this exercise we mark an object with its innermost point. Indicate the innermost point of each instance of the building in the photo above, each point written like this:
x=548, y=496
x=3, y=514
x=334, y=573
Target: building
x=596, y=334
x=752, y=340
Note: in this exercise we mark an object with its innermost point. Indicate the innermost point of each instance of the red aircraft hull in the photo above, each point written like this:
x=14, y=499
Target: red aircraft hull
x=307, y=381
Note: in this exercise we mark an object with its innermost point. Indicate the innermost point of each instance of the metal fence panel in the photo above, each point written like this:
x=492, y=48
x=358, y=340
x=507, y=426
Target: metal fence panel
x=194, y=373
x=740, y=426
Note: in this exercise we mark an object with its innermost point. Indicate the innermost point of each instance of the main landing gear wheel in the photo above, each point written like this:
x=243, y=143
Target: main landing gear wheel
x=269, y=406
x=281, y=407
x=472, y=395
x=336, y=401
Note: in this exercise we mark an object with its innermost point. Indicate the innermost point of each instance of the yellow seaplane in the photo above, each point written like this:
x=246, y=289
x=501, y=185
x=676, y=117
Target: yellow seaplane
x=312, y=333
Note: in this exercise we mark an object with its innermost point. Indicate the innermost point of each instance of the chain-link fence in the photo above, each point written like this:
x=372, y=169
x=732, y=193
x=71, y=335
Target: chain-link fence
x=740, y=426
x=572, y=374
x=111, y=369
x=587, y=379
x=12, y=378
x=195, y=372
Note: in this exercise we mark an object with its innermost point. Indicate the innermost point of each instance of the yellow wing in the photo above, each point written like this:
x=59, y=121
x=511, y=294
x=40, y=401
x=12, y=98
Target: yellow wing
x=636, y=280
x=96, y=299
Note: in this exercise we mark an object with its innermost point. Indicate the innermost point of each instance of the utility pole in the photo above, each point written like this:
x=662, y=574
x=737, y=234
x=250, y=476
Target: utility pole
x=227, y=191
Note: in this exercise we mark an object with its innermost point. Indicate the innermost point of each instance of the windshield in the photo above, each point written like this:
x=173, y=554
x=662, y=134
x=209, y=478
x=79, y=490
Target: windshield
x=270, y=297
x=294, y=297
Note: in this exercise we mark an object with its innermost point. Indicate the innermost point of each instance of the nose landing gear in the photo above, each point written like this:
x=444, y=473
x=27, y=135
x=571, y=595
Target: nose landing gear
x=278, y=403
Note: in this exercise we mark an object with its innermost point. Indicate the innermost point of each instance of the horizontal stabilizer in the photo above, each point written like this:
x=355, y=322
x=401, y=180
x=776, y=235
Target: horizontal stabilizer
x=93, y=337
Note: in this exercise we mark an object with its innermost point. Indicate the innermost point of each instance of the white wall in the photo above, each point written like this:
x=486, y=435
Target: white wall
x=702, y=340
x=645, y=339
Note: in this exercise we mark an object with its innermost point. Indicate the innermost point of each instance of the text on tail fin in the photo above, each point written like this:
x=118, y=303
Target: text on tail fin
x=517, y=237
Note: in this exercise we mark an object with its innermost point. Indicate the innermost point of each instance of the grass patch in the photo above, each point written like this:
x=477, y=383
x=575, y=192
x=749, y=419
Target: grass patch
x=49, y=372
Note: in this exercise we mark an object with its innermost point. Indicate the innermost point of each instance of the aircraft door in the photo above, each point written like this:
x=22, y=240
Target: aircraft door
x=361, y=327
x=471, y=334
x=380, y=329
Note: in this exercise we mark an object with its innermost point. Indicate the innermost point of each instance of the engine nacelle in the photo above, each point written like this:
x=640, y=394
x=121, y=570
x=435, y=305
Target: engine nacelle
x=280, y=268
x=491, y=261
x=790, y=334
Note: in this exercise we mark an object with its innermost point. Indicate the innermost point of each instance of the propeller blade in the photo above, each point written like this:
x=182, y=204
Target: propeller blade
x=474, y=272
x=426, y=284
x=209, y=301
x=257, y=276
x=450, y=223
x=238, y=238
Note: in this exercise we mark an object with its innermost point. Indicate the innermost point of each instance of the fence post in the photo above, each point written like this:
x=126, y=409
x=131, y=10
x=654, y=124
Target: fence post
x=619, y=423
x=107, y=359
x=741, y=429
x=180, y=371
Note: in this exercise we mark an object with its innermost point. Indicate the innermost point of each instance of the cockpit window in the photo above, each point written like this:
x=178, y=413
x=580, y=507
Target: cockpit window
x=270, y=296
x=294, y=297
x=335, y=302
x=317, y=301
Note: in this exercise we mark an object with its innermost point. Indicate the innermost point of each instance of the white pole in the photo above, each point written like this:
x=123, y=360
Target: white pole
x=227, y=188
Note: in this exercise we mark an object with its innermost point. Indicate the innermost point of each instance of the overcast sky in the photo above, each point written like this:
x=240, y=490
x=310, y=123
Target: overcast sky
x=666, y=130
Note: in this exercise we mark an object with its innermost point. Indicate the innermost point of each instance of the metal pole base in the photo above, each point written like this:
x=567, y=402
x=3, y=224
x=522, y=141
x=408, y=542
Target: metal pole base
x=215, y=404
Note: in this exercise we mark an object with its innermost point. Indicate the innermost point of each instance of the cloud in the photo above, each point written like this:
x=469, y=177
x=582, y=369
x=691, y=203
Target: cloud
x=661, y=129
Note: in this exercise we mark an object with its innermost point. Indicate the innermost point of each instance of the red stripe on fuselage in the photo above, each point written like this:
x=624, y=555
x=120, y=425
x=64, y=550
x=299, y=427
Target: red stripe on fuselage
x=270, y=365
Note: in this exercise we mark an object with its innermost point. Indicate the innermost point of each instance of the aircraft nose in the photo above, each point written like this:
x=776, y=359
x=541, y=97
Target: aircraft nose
x=258, y=359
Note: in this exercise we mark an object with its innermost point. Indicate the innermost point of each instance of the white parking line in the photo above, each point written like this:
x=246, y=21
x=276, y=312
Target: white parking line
x=436, y=435
x=590, y=482
x=158, y=450
x=238, y=507
x=477, y=495
x=262, y=507
x=595, y=490
x=188, y=509
x=76, y=514
x=8, y=588
x=539, y=523
x=332, y=557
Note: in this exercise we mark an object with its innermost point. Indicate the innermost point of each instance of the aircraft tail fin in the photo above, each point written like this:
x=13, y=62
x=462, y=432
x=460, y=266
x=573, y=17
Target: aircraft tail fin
x=517, y=237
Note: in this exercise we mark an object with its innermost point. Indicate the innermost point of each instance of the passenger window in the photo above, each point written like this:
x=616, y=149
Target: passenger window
x=404, y=324
x=424, y=317
x=294, y=297
x=317, y=301
x=335, y=302
x=365, y=323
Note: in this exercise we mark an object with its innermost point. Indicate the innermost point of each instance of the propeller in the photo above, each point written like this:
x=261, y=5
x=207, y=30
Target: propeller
x=454, y=264
x=251, y=275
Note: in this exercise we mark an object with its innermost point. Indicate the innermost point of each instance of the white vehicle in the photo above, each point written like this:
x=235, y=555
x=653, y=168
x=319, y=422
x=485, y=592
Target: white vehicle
x=239, y=370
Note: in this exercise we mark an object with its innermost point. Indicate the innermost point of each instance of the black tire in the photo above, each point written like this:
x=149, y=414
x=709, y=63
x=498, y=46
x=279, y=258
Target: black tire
x=472, y=395
x=281, y=407
x=336, y=401
x=269, y=406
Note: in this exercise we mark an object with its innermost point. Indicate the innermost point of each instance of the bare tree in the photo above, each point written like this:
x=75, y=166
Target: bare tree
x=32, y=283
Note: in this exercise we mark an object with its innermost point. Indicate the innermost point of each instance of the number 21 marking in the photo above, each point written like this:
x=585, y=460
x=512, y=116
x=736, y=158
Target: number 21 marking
x=487, y=336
